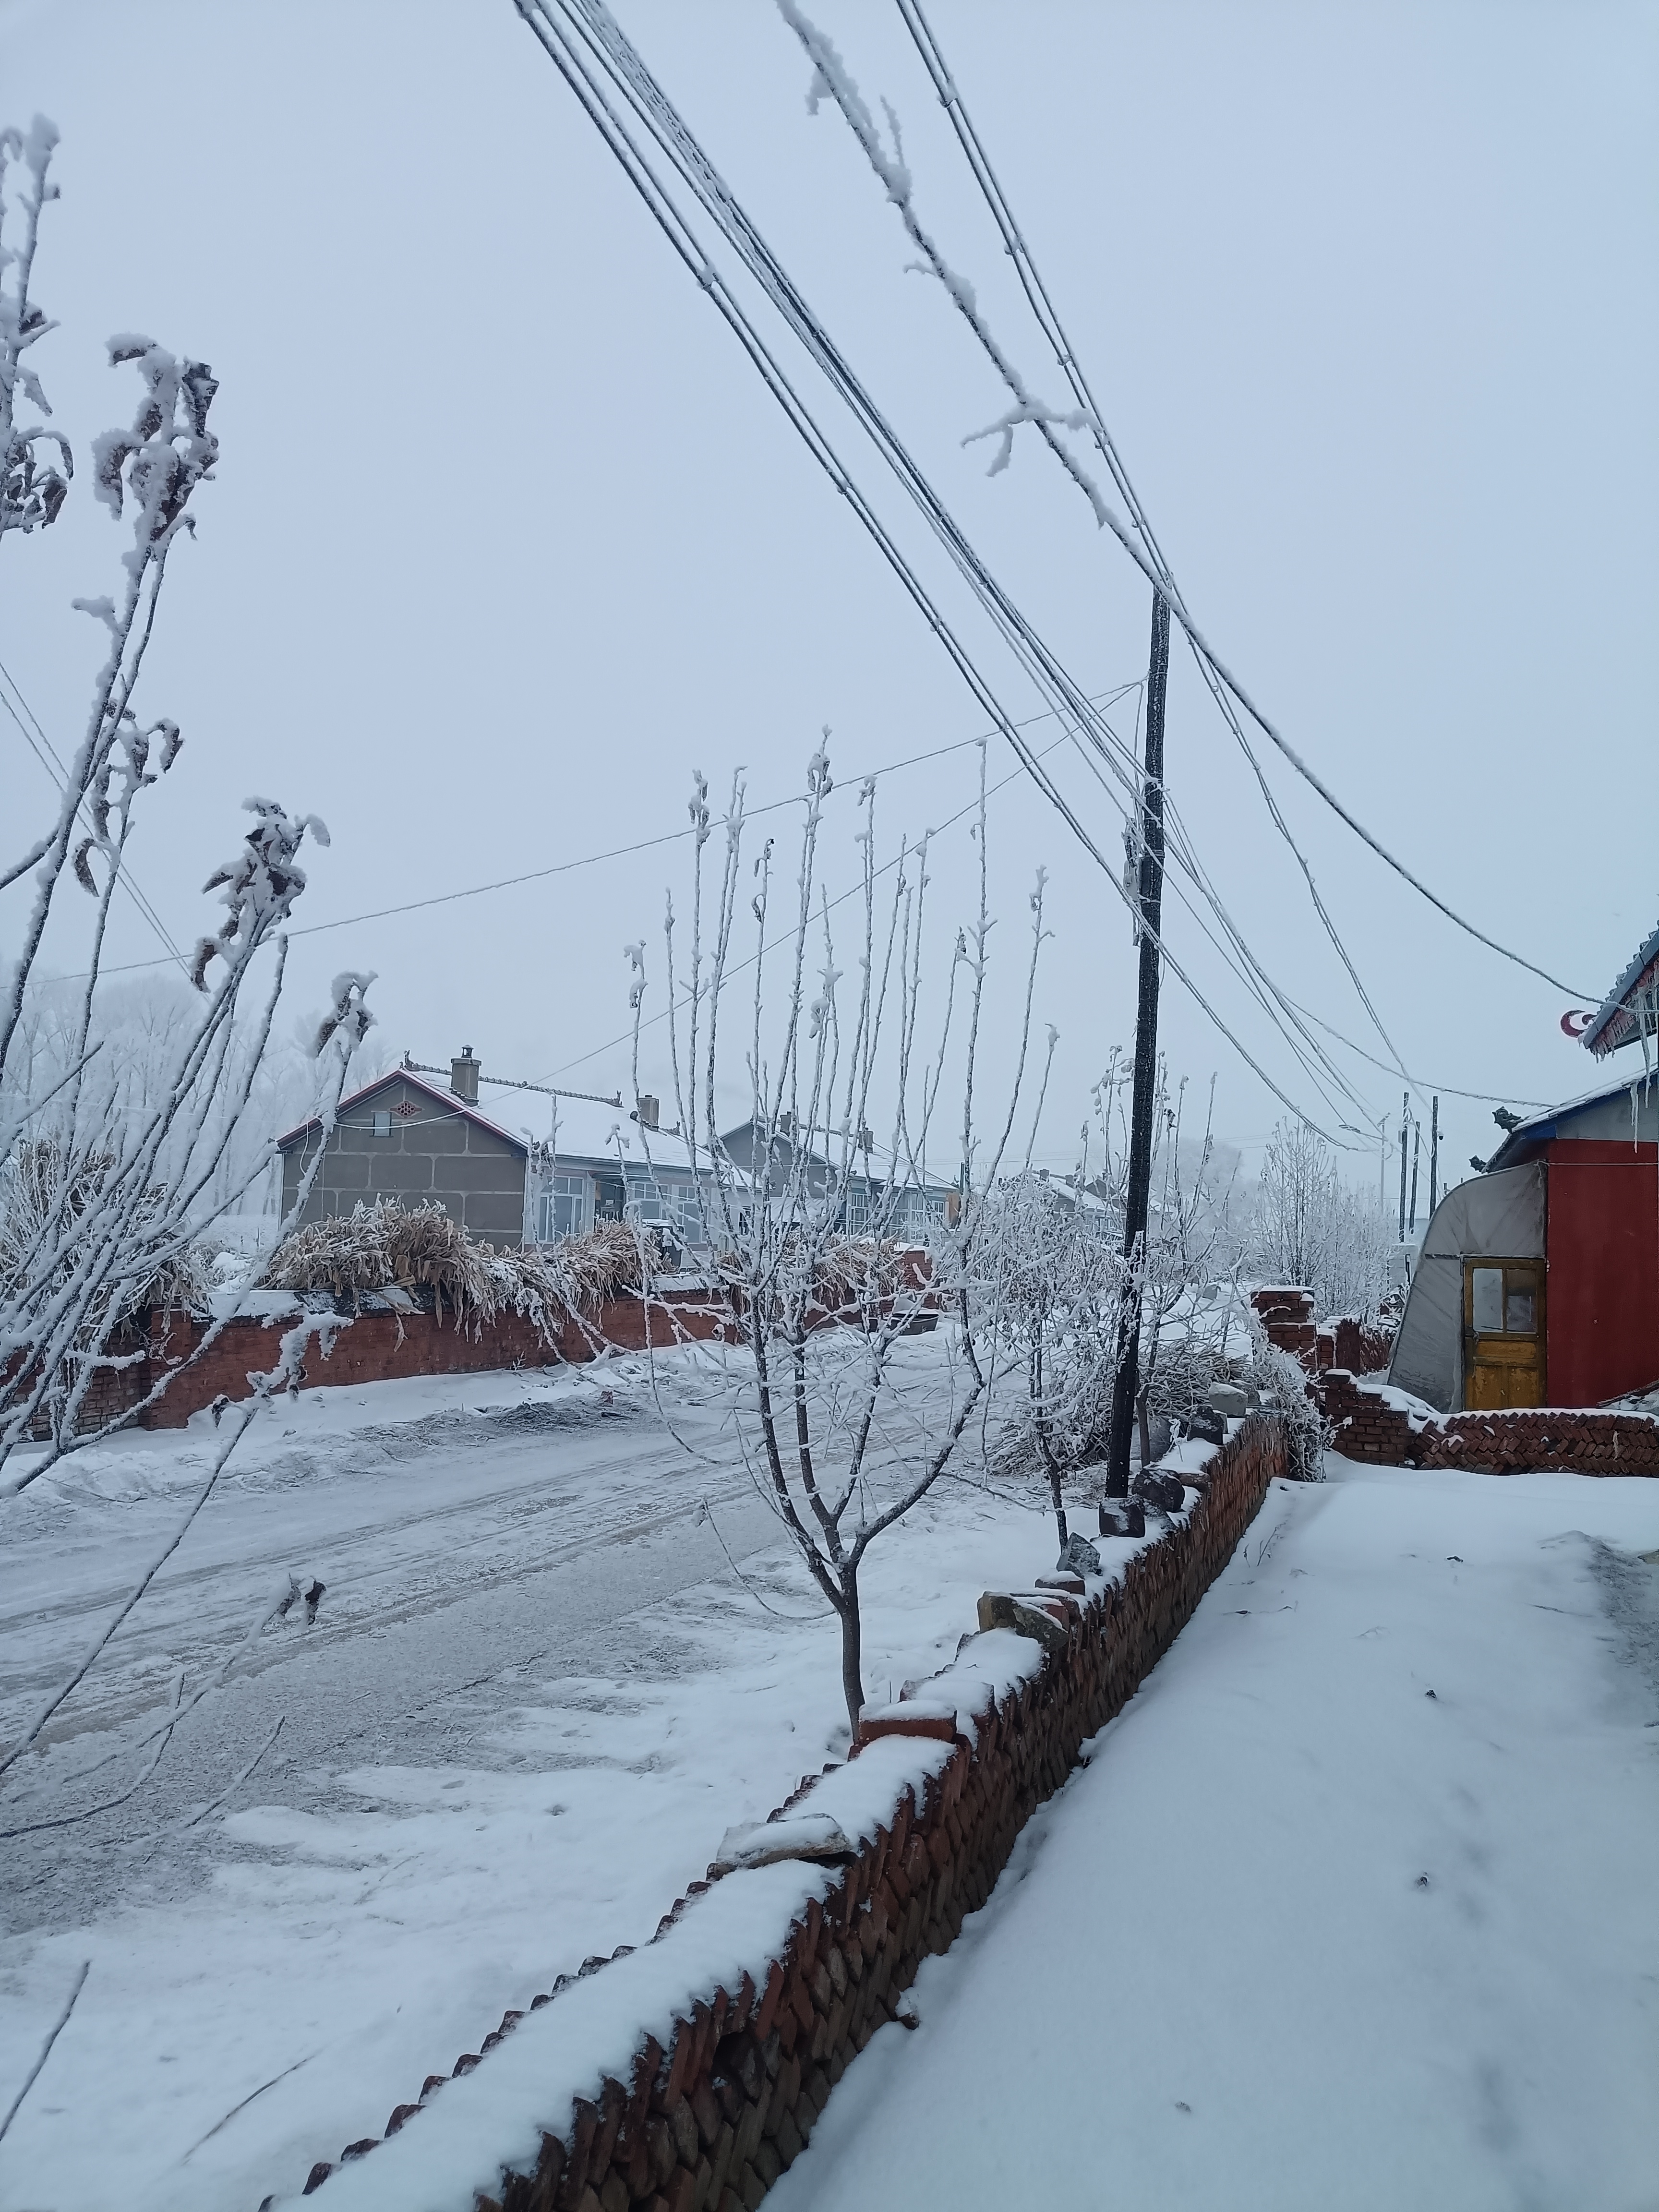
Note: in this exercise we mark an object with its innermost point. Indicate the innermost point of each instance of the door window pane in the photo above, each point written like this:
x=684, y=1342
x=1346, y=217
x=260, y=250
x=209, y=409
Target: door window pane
x=1488, y=1301
x=1521, y=1311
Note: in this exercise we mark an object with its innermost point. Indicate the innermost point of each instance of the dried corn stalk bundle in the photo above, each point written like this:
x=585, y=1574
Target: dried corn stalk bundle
x=388, y=1246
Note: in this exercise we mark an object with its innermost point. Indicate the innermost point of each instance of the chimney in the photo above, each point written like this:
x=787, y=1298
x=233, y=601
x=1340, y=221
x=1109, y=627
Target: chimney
x=463, y=1077
x=647, y=1110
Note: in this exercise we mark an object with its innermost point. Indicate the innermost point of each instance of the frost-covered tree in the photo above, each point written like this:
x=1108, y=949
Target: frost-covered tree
x=1053, y=1284
x=1050, y=1289
x=103, y=1192
x=846, y=1416
x=1310, y=1229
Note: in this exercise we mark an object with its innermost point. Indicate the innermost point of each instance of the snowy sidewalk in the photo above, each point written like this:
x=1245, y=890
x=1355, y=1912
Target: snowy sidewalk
x=1355, y=1905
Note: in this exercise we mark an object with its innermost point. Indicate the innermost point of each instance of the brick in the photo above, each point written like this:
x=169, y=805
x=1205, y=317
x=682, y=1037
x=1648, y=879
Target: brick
x=683, y=2129
x=706, y=2113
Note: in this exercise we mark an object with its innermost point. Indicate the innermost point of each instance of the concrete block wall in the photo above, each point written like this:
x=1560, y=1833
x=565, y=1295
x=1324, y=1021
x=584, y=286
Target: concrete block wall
x=433, y=1153
x=714, y=2110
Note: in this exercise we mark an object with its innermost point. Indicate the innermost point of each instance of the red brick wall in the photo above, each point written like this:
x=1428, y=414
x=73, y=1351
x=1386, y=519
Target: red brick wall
x=1548, y=1438
x=708, y=2120
x=372, y=1348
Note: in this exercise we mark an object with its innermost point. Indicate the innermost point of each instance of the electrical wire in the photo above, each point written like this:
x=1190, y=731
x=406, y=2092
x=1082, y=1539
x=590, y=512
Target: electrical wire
x=46, y=753
x=1442, y=1090
x=624, y=851
x=832, y=78
x=585, y=45
x=624, y=68
x=1152, y=562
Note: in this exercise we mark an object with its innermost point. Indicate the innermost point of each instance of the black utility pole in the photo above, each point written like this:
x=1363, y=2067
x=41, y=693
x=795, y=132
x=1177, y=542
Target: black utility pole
x=1417, y=1155
x=1126, y=1380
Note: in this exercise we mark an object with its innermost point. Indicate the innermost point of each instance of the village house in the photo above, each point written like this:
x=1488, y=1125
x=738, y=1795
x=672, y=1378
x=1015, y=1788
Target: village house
x=922, y=1206
x=1538, y=1283
x=408, y=1138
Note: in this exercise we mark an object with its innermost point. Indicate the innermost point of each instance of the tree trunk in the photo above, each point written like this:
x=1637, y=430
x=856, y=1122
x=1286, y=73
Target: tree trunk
x=851, y=1647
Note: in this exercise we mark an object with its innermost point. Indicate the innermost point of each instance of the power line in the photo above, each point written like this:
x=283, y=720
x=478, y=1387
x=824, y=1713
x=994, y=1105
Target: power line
x=591, y=39
x=1445, y=1090
x=624, y=852
x=55, y=769
x=1152, y=564
x=831, y=75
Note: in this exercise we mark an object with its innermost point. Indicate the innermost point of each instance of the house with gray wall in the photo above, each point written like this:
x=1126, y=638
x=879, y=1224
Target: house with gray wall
x=407, y=1138
x=605, y=1162
x=920, y=1206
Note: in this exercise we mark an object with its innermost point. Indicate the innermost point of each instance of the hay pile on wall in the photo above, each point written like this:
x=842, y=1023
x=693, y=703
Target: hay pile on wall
x=387, y=1246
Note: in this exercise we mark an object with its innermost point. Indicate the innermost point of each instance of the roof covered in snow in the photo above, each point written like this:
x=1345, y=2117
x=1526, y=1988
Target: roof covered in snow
x=587, y=1133
x=1619, y=1020
x=1626, y=1107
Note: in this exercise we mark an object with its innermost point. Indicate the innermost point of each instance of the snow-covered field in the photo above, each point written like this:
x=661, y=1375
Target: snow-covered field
x=1357, y=1904
x=535, y=1696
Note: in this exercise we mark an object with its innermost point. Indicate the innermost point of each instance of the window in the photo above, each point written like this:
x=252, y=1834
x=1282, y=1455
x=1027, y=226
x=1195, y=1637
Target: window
x=669, y=1204
x=383, y=1123
x=1504, y=1301
x=1521, y=1311
x=563, y=1209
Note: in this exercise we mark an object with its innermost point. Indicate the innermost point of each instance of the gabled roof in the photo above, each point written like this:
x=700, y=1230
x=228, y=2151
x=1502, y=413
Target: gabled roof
x=587, y=1132
x=1528, y=1138
x=447, y=1099
x=1616, y=1021
x=824, y=1150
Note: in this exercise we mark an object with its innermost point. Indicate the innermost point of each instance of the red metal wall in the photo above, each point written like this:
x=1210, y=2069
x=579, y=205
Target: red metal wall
x=1603, y=1312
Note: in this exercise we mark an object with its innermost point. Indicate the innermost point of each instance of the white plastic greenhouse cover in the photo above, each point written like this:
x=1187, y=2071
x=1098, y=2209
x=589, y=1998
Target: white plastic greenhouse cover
x=1498, y=1217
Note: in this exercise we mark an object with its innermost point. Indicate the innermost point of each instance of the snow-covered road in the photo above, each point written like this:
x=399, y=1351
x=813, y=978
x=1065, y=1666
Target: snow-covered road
x=1357, y=1904
x=535, y=1696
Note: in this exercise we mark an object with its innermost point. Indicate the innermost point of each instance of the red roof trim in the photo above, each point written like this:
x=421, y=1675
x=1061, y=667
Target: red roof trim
x=445, y=1098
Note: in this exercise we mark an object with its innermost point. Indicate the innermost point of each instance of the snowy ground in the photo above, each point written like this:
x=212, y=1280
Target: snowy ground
x=1356, y=1904
x=535, y=1697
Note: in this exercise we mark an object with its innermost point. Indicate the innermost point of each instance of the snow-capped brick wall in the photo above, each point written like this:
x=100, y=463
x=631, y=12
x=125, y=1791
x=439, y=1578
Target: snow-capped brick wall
x=381, y=1348
x=686, y=2076
x=1383, y=1428
x=1360, y=1347
x=1287, y=1321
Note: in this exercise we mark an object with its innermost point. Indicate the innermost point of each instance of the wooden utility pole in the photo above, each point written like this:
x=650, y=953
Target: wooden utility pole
x=1126, y=1378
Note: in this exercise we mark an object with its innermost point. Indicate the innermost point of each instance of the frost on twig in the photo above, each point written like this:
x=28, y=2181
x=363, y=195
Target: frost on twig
x=259, y=887
x=832, y=79
x=33, y=488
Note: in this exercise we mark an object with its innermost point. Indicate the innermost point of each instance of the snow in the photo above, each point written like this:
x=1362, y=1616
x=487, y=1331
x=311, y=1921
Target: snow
x=496, y=2114
x=534, y=1701
x=1302, y=1934
x=1418, y=1410
x=254, y=1305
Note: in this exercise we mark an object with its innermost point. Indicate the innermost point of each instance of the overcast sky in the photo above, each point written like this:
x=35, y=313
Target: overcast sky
x=507, y=538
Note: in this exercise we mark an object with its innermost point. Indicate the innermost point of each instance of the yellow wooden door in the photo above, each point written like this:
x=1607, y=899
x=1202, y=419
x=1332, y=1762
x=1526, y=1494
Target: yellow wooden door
x=1503, y=1333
